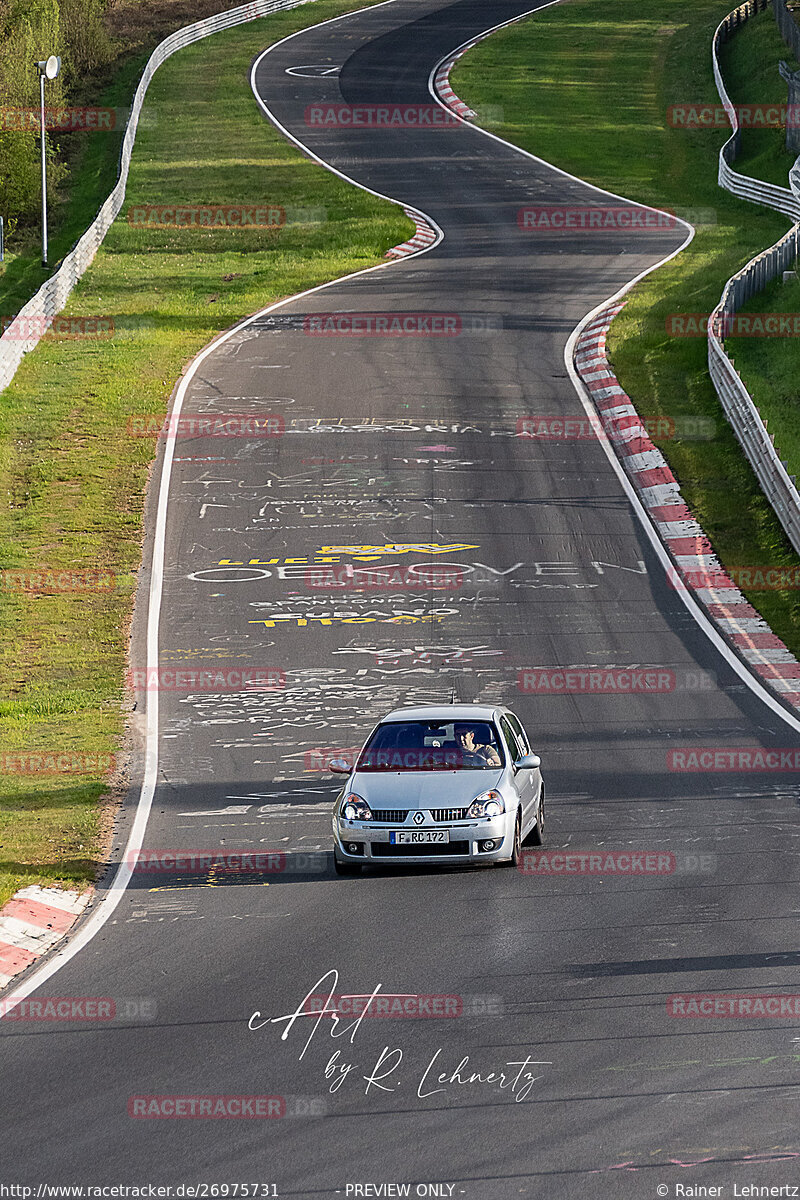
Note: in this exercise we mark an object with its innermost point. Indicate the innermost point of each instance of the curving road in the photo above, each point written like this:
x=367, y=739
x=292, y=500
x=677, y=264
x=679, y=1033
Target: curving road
x=403, y=450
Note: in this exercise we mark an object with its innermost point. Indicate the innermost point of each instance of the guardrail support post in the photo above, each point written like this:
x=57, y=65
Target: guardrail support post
x=793, y=111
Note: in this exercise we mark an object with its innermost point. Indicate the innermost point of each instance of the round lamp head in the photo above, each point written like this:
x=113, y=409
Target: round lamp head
x=52, y=66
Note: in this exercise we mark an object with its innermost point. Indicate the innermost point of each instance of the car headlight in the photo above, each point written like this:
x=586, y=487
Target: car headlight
x=355, y=809
x=488, y=804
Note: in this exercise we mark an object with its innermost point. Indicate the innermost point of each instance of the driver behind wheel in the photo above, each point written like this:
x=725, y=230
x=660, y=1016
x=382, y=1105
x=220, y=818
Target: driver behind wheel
x=474, y=751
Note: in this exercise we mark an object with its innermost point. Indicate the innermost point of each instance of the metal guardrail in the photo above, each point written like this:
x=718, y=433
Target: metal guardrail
x=31, y=322
x=794, y=178
x=748, y=424
x=790, y=30
x=745, y=186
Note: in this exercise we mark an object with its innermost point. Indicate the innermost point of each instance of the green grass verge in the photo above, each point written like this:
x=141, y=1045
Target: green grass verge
x=587, y=87
x=769, y=368
x=749, y=62
x=93, y=173
x=74, y=480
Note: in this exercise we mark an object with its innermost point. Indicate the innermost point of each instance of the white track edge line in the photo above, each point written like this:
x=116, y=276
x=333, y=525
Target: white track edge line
x=692, y=605
x=510, y=145
x=438, y=231
x=121, y=879
x=702, y=619
x=108, y=903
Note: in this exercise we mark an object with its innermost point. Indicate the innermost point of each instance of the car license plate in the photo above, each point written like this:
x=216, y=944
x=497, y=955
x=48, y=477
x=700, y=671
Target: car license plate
x=405, y=837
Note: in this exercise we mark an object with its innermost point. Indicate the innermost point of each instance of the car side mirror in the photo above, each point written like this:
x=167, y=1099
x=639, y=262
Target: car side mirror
x=339, y=766
x=528, y=762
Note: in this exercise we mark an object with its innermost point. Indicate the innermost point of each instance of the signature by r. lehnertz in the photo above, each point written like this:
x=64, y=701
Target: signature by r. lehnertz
x=385, y=1074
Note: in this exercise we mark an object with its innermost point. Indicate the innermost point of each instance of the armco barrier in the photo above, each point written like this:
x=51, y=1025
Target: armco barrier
x=794, y=178
x=768, y=194
x=790, y=30
x=53, y=294
x=748, y=425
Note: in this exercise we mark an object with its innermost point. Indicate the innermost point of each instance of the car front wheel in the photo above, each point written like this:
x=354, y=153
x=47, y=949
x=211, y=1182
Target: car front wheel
x=342, y=867
x=536, y=835
x=516, y=851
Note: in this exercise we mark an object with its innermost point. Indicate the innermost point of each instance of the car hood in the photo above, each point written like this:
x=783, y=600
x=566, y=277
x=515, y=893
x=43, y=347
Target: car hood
x=423, y=789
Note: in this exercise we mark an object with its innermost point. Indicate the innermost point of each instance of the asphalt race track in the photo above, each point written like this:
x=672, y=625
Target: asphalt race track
x=403, y=451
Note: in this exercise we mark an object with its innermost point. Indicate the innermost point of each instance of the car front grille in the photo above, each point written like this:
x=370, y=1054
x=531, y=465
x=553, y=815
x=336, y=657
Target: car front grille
x=448, y=814
x=385, y=850
x=398, y=816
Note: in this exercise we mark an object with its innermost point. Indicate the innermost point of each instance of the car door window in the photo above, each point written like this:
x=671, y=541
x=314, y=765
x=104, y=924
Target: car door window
x=511, y=739
x=522, y=737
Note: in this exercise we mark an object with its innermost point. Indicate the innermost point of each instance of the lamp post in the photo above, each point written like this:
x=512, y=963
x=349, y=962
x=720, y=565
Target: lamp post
x=48, y=69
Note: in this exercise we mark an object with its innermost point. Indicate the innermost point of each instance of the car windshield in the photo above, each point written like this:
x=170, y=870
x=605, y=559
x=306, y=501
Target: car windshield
x=433, y=746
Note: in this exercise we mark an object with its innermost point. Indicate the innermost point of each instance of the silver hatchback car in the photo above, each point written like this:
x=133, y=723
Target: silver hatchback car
x=452, y=783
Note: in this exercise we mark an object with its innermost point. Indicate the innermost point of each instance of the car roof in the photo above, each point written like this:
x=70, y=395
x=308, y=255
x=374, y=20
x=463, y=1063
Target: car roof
x=444, y=712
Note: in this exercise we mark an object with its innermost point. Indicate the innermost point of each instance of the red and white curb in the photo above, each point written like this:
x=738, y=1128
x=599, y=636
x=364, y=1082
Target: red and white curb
x=695, y=563
x=441, y=76
x=441, y=82
x=32, y=922
x=425, y=236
